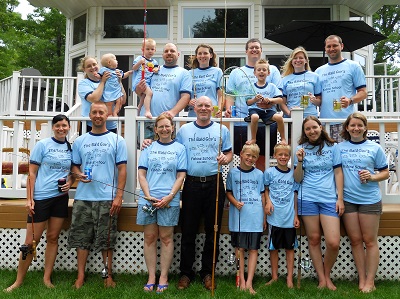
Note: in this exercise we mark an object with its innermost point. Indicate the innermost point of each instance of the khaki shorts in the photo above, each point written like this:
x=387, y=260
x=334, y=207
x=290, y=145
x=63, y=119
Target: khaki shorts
x=90, y=226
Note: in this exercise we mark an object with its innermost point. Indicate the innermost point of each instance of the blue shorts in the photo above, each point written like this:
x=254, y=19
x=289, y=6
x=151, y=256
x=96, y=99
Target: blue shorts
x=310, y=208
x=163, y=217
x=265, y=115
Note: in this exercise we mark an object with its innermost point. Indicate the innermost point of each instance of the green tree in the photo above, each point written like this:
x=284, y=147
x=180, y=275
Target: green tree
x=387, y=21
x=44, y=46
x=10, y=32
x=37, y=42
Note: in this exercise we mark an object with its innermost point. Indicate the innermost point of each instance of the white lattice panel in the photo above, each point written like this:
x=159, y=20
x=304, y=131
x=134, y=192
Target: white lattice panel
x=128, y=256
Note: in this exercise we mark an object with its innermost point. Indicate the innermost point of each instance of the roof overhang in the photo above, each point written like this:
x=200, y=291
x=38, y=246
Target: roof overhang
x=71, y=8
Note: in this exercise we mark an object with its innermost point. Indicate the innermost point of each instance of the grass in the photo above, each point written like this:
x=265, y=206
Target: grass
x=131, y=286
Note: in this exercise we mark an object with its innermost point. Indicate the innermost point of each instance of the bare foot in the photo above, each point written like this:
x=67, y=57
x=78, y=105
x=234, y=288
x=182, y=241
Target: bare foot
x=48, y=284
x=289, y=283
x=243, y=286
x=322, y=284
x=368, y=289
x=251, y=290
x=12, y=287
x=79, y=283
x=271, y=281
x=251, y=141
x=330, y=285
x=109, y=282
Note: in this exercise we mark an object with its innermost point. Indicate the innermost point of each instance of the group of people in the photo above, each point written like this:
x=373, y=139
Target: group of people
x=271, y=200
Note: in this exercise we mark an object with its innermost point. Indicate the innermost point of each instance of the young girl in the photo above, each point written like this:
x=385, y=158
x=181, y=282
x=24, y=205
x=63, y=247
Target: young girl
x=245, y=191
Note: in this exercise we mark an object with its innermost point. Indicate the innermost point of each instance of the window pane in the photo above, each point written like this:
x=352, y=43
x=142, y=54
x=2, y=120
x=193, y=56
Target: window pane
x=231, y=61
x=210, y=22
x=79, y=29
x=279, y=61
x=275, y=17
x=75, y=64
x=129, y=23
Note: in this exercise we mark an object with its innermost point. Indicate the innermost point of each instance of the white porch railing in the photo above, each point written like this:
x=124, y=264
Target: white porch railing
x=37, y=95
x=47, y=95
x=16, y=139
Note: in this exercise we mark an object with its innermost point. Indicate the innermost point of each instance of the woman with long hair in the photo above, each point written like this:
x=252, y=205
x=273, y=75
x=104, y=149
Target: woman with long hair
x=299, y=81
x=206, y=77
x=47, y=198
x=320, y=199
x=364, y=166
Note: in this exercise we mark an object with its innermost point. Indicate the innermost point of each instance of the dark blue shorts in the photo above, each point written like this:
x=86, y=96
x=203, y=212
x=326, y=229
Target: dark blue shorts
x=265, y=115
x=50, y=207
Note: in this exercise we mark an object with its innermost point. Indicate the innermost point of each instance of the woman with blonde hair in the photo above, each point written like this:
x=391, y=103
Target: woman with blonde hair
x=299, y=81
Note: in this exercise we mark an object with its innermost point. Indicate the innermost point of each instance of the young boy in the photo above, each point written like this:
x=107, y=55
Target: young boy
x=245, y=192
x=145, y=66
x=281, y=210
x=112, y=94
x=269, y=93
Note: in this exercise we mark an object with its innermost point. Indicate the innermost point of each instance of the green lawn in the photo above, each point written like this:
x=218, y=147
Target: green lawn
x=131, y=286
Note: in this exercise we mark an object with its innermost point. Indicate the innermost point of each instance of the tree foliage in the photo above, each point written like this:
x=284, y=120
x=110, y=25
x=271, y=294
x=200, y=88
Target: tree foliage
x=37, y=42
x=387, y=21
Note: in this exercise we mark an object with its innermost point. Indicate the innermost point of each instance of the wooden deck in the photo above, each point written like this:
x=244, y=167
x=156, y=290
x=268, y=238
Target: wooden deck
x=13, y=215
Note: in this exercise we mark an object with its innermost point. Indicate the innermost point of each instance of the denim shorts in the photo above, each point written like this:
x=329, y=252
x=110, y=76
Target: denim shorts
x=163, y=217
x=310, y=208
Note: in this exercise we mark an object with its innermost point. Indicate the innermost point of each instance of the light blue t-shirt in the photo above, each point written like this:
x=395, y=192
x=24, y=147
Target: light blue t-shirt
x=112, y=89
x=167, y=86
x=85, y=88
x=359, y=156
x=103, y=153
x=54, y=161
x=246, y=186
x=269, y=90
x=206, y=82
x=318, y=183
x=148, y=71
x=297, y=84
x=281, y=187
x=337, y=80
x=162, y=161
x=241, y=83
x=202, y=146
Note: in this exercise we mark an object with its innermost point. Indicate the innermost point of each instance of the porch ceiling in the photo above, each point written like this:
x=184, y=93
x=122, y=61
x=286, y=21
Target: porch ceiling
x=71, y=8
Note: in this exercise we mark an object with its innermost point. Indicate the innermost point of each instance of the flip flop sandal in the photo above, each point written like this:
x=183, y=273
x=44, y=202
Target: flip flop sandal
x=161, y=288
x=150, y=287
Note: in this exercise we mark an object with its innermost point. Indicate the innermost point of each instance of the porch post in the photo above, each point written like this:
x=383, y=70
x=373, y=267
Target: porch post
x=15, y=88
x=297, y=121
x=131, y=142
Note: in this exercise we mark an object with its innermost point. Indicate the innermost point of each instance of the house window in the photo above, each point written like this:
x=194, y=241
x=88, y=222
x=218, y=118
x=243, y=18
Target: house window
x=279, y=61
x=276, y=17
x=210, y=23
x=229, y=61
x=79, y=33
x=129, y=23
x=356, y=17
x=75, y=65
